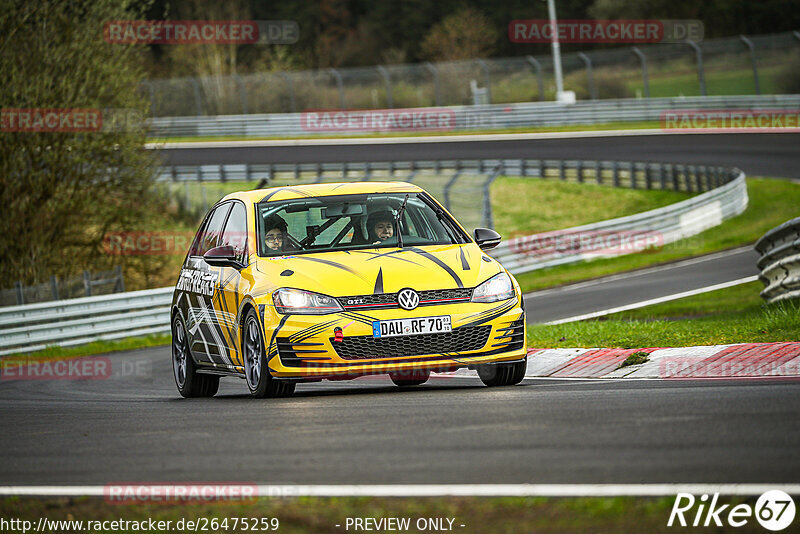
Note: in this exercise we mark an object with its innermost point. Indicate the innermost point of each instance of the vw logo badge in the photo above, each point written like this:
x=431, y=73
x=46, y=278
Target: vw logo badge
x=408, y=299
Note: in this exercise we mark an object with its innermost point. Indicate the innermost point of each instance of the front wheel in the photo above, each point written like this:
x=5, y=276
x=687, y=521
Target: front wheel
x=190, y=383
x=503, y=374
x=259, y=381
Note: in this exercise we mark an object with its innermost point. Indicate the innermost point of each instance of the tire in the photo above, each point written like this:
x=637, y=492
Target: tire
x=503, y=374
x=189, y=382
x=410, y=378
x=259, y=381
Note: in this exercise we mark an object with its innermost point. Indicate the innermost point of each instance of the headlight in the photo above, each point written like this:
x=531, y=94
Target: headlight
x=496, y=288
x=304, y=302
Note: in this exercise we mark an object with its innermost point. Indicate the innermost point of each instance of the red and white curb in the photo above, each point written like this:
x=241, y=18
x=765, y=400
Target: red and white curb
x=714, y=361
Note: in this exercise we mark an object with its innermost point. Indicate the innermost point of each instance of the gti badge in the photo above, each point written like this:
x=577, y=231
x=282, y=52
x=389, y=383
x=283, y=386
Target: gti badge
x=408, y=299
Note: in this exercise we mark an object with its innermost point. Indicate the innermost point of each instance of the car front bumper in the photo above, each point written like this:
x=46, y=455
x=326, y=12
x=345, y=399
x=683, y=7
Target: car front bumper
x=305, y=346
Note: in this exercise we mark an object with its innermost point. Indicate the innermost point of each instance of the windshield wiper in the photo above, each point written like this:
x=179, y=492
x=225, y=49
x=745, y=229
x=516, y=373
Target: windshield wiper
x=400, y=211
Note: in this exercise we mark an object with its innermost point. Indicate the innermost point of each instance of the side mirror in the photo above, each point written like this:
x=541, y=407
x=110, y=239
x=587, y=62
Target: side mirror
x=224, y=256
x=487, y=239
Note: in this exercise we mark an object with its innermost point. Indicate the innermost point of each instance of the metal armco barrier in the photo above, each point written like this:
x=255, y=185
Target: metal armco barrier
x=463, y=118
x=723, y=194
x=780, y=262
x=76, y=321
x=630, y=234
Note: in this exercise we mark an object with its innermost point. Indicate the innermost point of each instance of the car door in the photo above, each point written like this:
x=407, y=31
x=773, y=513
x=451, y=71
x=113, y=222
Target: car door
x=200, y=283
x=226, y=299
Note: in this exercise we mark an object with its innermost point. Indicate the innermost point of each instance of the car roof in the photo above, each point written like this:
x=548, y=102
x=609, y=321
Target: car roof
x=290, y=192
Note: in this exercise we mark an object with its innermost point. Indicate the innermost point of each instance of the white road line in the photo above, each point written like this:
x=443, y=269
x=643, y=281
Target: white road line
x=658, y=300
x=441, y=490
x=641, y=272
x=411, y=140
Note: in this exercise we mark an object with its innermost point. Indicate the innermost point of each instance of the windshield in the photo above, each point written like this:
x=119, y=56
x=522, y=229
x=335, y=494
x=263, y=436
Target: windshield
x=350, y=222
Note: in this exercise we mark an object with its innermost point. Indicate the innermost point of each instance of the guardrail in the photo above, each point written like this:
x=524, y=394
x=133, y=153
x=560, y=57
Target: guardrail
x=463, y=118
x=723, y=194
x=76, y=321
x=780, y=262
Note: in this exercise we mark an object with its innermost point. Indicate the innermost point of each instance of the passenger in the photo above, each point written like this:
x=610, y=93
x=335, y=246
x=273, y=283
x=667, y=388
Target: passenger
x=380, y=226
x=275, y=234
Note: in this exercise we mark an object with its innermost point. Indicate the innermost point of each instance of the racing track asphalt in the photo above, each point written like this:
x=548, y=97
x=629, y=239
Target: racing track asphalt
x=641, y=285
x=757, y=154
x=135, y=428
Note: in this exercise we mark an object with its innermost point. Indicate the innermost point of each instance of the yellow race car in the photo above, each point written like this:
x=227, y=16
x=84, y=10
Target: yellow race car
x=336, y=281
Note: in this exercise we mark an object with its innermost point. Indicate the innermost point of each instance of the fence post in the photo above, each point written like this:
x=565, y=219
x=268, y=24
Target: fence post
x=598, y=173
x=20, y=294
x=752, y=48
x=700, y=71
x=648, y=183
x=340, y=85
x=152, y=97
x=562, y=175
x=643, y=60
x=222, y=176
x=242, y=92
x=120, y=280
x=538, y=67
x=579, y=170
x=676, y=186
x=487, y=201
x=589, y=75
x=486, y=80
x=290, y=85
x=54, y=287
x=632, y=172
x=447, y=187
x=87, y=283
x=615, y=169
x=437, y=90
x=387, y=79
x=662, y=178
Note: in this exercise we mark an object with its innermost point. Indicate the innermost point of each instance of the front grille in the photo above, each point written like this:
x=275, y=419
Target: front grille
x=459, y=340
x=431, y=297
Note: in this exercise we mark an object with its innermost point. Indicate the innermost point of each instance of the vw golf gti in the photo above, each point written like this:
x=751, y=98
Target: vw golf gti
x=335, y=281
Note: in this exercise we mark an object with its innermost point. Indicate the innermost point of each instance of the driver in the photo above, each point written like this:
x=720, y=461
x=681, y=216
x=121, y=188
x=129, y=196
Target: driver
x=380, y=226
x=275, y=234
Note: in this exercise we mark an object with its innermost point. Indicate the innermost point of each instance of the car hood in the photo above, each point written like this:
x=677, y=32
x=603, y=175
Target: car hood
x=364, y=272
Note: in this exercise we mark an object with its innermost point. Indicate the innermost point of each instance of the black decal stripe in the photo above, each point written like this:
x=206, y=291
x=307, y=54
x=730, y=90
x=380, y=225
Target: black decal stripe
x=311, y=331
x=363, y=319
x=464, y=262
x=331, y=263
x=440, y=263
x=491, y=317
x=378, y=283
x=272, y=353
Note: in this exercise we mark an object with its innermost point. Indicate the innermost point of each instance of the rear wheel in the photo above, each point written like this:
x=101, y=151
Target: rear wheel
x=190, y=383
x=259, y=381
x=410, y=378
x=503, y=374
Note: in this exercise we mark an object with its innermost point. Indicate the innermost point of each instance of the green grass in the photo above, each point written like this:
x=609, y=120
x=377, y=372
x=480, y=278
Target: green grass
x=522, y=206
x=772, y=202
x=732, y=315
x=320, y=515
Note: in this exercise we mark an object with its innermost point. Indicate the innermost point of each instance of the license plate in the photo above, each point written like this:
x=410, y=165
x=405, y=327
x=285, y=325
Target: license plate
x=411, y=327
